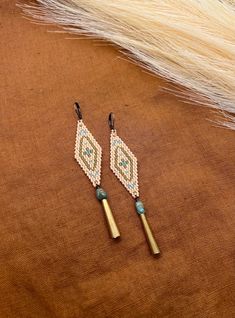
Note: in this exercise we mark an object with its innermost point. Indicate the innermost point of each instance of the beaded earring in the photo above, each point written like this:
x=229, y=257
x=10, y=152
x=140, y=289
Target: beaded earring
x=124, y=165
x=88, y=154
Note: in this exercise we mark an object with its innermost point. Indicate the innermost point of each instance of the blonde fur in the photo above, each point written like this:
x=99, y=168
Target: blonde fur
x=190, y=42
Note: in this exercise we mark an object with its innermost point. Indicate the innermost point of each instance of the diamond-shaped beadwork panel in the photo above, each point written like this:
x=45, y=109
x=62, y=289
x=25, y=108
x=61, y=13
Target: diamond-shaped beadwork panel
x=124, y=164
x=88, y=153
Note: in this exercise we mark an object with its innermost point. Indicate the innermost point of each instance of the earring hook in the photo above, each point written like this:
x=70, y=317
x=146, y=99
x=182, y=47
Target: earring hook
x=78, y=110
x=111, y=121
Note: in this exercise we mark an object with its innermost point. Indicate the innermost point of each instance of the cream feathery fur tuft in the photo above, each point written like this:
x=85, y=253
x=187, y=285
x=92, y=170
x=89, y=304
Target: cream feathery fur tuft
x=190, y=42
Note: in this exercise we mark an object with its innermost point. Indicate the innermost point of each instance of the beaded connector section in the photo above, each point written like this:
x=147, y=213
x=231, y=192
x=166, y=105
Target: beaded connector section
x=123, y=163
x=88, y=153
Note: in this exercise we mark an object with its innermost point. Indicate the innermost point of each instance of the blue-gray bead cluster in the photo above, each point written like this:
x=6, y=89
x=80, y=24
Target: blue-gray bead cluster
x=139, y=207
x=101, y=194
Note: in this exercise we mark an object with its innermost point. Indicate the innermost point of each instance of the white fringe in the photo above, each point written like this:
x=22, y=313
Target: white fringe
x=190, y=42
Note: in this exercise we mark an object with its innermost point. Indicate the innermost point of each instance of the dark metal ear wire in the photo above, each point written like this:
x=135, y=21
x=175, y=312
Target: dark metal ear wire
x=78, y=110
x=111, y=121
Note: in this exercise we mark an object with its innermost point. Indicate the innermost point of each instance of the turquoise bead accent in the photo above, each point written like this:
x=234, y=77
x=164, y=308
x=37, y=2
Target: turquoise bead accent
x=88, y=152
x=139, y=207
x=101, y=194
x=123, y=163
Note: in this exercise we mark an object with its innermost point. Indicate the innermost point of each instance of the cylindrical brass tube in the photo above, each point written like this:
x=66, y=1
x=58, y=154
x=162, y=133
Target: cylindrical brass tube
x=113, y=229
x=149, y=235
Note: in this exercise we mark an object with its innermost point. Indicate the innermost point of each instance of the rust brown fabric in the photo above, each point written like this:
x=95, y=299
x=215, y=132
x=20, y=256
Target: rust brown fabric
x=56, y=256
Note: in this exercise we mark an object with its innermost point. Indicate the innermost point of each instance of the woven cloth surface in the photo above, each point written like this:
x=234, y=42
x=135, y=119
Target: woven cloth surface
x=57, y=259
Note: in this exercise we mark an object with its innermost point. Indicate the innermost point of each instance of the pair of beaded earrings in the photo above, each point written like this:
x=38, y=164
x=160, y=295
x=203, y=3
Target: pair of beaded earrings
x=123, y=163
